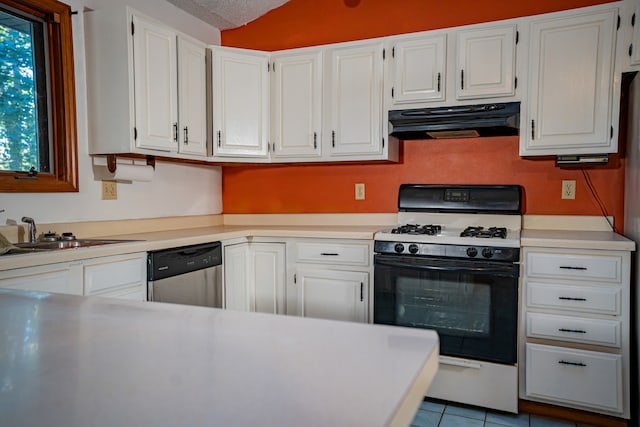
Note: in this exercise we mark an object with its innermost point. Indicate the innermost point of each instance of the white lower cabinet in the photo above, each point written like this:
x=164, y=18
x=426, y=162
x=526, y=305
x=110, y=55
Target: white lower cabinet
x=575, y=340
x=118, y=276
x=254, y=276
x=331, y=294
x=330, y=279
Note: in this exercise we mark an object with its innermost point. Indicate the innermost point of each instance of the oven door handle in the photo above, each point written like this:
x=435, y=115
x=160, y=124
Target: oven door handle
x=510, y=270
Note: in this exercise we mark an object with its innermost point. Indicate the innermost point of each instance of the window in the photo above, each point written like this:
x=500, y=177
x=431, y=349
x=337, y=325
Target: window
x=38, y=147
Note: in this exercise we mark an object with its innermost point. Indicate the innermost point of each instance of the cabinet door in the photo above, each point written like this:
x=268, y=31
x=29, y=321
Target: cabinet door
x=297, y=103
x=267, y=284
x=120, y=276
x=155, y=76
x=240, y=103
x=570, y=86
x=192, y=96
x=236, y=275
x=353, y=95
x=254, y=277
x=63, y=278
x=486, y=62
x=419, y=70
x=332, y=294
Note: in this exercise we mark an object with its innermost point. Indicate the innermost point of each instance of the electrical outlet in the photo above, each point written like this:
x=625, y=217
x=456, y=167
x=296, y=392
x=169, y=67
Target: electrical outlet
x=569, y=189
x=109, y=190
x=359, y=191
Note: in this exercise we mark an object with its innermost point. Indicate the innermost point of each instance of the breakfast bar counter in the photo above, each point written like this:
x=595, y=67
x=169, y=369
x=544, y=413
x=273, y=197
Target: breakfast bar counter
x=77, y=361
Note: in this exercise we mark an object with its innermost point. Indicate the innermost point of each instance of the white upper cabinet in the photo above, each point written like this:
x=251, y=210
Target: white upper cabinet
x=486, y=62
x=571, y=85
x=149, y=95
x=192, y=96
x=418, y=69
x=156, y=85
x=240, y=103
x=296, y=109
x=353, y=100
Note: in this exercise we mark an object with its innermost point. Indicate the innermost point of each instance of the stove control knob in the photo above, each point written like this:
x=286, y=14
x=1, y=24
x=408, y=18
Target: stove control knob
x=413, y=248
x=399, y=248
x=472, y=252
x=487, y=252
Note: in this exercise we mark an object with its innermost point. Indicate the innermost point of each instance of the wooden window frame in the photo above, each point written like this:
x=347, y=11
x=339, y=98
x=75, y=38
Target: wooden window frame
x=64, y=177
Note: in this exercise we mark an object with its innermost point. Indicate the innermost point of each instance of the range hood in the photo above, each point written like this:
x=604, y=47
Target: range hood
x=463, y=121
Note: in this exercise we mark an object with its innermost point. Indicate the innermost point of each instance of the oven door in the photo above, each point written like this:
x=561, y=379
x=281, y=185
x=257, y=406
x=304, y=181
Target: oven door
x=473, y=305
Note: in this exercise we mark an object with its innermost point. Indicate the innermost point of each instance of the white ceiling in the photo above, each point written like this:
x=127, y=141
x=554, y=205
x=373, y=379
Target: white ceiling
x=226, y=14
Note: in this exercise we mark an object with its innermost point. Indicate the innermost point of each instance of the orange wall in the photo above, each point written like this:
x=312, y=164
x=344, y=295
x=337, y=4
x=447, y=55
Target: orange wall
x=330, y=188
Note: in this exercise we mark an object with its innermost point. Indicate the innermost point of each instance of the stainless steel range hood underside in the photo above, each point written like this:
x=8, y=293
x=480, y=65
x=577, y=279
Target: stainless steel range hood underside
x=467, y=121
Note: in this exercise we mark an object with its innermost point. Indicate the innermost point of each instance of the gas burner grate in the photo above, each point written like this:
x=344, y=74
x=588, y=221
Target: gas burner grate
x=485, y=233
x=429, y=229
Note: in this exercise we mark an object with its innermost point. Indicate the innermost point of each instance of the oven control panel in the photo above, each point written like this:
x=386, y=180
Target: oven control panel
x=486, y=253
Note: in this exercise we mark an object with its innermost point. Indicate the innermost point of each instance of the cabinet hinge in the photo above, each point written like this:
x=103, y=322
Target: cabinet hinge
x=135, y=133
x=517, y=36
x=295, y=278
x=618, y=26
x=133, y=28
x=633, y=20
x=611, y=132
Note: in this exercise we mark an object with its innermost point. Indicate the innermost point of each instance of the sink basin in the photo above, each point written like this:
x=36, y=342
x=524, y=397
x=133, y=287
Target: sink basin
x=28, y=247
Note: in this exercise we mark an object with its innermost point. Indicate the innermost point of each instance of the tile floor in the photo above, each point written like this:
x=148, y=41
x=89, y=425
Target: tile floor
x=445, y=414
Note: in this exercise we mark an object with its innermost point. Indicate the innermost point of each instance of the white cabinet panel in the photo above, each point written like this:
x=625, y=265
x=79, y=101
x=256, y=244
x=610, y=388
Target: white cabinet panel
x=254, y=277
x=297, y=104
x=605, y=268
x=156, y=83
x=332, y=294
x=192, y=97
x=571, y=86
x=353, y=99
x=64, y=278
x=121, y=276
x=579, y=377
x=486, y=62
x=240, y=102
x=419, y=69
x=333, y=253
x=574, y=329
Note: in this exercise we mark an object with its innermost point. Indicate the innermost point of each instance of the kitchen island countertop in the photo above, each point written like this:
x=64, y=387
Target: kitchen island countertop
x=76, y=361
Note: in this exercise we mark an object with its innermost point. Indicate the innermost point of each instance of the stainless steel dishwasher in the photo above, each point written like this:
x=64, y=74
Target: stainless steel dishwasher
x=189, y=275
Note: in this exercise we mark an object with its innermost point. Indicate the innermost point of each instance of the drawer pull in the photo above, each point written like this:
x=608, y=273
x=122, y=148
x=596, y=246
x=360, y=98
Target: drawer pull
x=572, y=299
x=575, y=331
x=329, y=254
x=564, y=362
x=567, y=267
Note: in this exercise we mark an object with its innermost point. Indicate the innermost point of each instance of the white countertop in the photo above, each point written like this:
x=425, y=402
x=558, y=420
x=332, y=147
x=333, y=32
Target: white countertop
x=155, y=240
x=576, y=239
x=77, y=361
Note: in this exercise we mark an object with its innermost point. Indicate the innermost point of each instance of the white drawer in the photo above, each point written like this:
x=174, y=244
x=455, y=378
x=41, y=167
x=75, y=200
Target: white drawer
x=586, y=299
x=602, y=268
x=333, y=253
x=583, y=378
x=112, y=273
x=575, y=329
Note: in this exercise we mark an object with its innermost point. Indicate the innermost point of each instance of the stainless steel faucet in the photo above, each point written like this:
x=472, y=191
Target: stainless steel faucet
x=32, y=228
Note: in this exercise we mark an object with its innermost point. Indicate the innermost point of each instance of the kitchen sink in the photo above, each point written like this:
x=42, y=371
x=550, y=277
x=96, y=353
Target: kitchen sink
x=44, y=246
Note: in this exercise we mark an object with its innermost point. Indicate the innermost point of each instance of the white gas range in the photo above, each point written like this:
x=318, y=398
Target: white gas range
x=451, y=265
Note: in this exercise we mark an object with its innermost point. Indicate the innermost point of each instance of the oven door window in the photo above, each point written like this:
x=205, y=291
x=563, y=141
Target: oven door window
x=473, y=306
